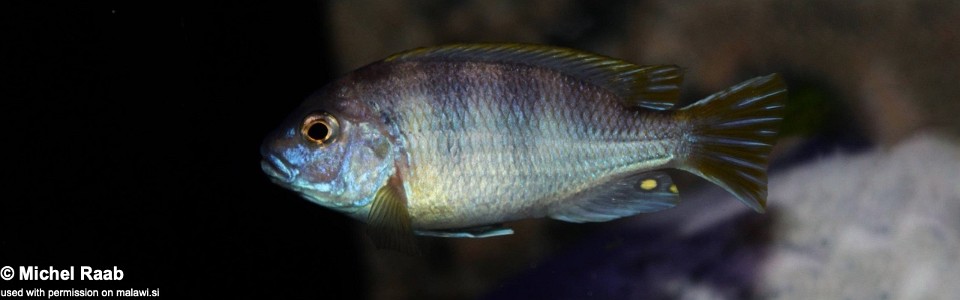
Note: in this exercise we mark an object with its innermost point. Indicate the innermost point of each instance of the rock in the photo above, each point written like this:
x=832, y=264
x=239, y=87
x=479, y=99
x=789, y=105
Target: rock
x=872, y=226
x=875, y=225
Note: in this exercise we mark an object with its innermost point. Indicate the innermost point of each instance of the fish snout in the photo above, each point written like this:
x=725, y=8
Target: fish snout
x=273, y=163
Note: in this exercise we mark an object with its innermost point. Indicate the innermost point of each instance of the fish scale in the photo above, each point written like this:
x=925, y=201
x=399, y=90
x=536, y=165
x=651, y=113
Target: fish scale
x=570, y=144
x=452, y=140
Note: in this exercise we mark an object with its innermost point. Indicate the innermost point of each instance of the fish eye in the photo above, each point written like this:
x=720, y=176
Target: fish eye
x=320, y=128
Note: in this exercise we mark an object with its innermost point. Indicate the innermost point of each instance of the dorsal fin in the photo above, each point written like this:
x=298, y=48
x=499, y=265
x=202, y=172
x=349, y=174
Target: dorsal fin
x=655, y=87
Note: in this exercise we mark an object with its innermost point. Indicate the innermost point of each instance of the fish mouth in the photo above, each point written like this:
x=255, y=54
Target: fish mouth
x=277, y=169
x=281, y=174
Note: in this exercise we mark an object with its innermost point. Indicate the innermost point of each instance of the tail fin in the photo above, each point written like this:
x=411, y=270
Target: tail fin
x=732, y=132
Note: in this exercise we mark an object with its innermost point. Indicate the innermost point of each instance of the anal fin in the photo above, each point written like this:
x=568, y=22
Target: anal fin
x=639, y=193
x=471, y=232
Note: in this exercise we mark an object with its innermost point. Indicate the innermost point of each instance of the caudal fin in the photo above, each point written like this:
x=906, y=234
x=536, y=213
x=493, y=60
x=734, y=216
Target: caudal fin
x=732, y=134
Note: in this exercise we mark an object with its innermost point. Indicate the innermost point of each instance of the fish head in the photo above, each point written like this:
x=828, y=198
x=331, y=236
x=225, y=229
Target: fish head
x=333, y=150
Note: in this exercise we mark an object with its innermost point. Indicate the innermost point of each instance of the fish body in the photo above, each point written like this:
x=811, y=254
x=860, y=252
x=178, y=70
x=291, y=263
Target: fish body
x=452, y=140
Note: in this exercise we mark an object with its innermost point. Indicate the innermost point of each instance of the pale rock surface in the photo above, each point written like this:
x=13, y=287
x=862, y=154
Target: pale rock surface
x=879, y=225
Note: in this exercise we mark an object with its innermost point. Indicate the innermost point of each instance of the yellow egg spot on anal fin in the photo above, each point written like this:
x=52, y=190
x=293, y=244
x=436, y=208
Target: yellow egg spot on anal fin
x=638, y=193
x=648, y=184
x=673, y=189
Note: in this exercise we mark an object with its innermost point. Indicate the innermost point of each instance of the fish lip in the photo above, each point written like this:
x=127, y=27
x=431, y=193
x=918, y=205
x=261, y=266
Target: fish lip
x=277, y=169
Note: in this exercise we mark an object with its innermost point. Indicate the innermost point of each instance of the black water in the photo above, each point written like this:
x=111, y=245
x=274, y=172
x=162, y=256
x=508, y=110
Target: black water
x=135, y=130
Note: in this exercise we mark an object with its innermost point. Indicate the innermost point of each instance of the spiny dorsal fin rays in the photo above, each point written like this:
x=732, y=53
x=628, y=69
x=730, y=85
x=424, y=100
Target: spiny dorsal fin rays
x=654, y=87
x=389, y=221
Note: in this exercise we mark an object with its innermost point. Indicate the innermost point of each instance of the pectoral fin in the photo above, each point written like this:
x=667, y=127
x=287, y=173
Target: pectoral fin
x=472, y=232
x=640, y=193
x=389, y=221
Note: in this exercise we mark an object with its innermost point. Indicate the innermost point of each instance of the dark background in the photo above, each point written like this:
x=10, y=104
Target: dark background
x=132, y=135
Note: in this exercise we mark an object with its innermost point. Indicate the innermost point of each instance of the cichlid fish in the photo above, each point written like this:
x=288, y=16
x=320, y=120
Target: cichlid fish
x=455, y=140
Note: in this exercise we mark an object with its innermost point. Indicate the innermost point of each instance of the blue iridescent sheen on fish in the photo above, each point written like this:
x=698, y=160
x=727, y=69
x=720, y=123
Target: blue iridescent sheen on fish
x=455, y=140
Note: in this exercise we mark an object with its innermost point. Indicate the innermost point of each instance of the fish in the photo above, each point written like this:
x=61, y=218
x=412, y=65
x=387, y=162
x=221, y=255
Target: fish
x=456, y=140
